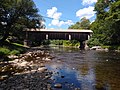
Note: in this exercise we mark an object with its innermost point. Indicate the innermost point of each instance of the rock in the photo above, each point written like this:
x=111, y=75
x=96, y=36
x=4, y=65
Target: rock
x=107, y=60
x=48, y=87
x=77, y=88
x=72, y=84
x=47, y=59
x=58, y=85
x=96, y=48
x=38, y=57
x=33, y=71
x=42, y=69
x=5, y=76
x=62, y=76
x=13, y=56
x=17, y=73
x=73, y=68
x=23, y=63
x=47, y=77
x=42, y=65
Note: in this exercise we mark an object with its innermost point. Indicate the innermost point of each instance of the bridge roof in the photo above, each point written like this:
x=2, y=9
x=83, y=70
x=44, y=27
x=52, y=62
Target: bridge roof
x=59, y=30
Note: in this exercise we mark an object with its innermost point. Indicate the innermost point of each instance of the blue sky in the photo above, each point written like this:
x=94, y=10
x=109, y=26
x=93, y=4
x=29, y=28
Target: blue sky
x=65, y=12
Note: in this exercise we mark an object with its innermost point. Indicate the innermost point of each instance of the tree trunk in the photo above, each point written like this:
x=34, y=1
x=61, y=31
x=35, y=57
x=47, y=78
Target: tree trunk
x=4, y=37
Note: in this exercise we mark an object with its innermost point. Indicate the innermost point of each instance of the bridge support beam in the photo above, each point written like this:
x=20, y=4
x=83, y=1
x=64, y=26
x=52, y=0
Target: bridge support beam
x=70, y=37
x=25, y=42
x=47, y=37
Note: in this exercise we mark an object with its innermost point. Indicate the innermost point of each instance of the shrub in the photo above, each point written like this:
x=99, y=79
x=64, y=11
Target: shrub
x=94, y=42
x=45, y=42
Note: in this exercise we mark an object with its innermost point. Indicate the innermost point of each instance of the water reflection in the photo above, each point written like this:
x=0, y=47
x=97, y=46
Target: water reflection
x=71, y=78
x=85, y=70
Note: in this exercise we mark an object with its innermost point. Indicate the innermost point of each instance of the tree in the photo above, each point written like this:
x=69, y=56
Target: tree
x=16, y=15
x=83, y=24
x=75, y=26
x=107, y=24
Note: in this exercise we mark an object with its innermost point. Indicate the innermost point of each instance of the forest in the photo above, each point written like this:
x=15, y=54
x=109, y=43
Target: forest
x=106, y=27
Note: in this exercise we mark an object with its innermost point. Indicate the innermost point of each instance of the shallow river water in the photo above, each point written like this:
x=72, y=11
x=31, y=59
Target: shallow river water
x=84, y=70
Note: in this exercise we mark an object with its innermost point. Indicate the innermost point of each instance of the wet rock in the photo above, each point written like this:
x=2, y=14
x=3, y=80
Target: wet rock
x=72, y=84
x=77, y=88
x=73, y=68
x=47, y=77
x=62, y=76
x=58, y=85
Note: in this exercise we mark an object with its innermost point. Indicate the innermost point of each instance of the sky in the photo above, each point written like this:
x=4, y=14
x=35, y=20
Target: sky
x=61, y=14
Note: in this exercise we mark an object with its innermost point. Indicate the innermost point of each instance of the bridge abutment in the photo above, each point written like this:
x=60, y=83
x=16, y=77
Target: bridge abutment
x=82, y=45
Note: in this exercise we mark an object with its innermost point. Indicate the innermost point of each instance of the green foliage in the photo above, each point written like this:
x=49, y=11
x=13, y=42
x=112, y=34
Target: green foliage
x=83, y=24
x=93, y=42
x=106, y=27
x=45, y=42
x=71, y=43
x=75, y=26
x=56, y=42
x=65, y=43
x=16, y=15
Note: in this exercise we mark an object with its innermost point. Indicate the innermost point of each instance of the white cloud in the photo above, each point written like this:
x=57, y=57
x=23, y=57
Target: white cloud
x=86, y=12
x=60, y=23
x=69, y=22
x=53, y=13
x=88, y=2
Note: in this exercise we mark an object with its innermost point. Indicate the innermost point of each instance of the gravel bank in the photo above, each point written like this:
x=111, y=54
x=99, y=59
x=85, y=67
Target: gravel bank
x=26, y=72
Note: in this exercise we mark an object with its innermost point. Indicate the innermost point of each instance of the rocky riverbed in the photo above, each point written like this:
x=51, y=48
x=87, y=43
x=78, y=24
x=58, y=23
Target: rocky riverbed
x=26, y=72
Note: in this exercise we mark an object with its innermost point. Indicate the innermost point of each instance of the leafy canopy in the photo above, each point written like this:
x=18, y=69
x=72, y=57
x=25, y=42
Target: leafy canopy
x=16, y=15
x=83, y=24
x=107, y=24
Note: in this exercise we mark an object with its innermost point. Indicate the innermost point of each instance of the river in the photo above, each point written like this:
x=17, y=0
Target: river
x=70, y=69
x=84, y=70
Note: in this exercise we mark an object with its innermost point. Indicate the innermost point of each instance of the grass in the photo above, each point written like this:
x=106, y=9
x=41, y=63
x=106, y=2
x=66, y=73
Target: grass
x=7, y=48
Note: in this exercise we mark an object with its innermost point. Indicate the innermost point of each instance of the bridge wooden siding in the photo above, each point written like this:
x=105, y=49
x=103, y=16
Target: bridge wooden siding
x=60, y=34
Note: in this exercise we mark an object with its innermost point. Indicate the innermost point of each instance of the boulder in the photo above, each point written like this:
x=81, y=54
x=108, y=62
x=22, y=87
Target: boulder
x=58, y=85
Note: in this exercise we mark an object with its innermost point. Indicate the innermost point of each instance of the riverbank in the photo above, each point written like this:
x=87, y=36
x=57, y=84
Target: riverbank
x=106, y=48
x=7, y=49
x=26, y=72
